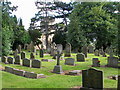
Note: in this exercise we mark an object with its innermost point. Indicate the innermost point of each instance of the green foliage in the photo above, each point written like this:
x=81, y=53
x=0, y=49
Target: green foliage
x=90, y=22
x=35, y=36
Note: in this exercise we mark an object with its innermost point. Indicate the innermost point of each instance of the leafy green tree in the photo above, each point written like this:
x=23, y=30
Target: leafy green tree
x=35, y=36
x=7, y=30
x=89, y=22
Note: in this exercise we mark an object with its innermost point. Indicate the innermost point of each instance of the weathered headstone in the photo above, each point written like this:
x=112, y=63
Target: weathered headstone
x=17, y=60
x=85, y=50
x=58, y=69
x=31, y=75
x=4, y=59
x=112, y=62
x=19, y=49
x=32, y=56
x=25, y=46
x=103, y=54
x=96, y=62
x=15, y=53
x=118, y=86
x=90, y=49
x=92, y=78
x=31, y=46
x=41, y=53
x=68, y=50
x=49, y=48
x=10, y=60
x=69, y=61
x=96, y=53
x=36, y=63
x=18, y=72
x=8, y=69
x=26, y=62
x=80, y=57
x=60, y=48
x=23, y=55
x=111, y=52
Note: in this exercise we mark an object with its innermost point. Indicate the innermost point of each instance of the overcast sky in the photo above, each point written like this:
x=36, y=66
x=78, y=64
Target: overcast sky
x=27, y=9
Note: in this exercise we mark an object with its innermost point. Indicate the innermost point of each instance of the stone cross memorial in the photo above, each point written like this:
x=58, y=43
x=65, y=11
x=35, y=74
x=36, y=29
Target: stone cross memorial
x=92, y=78
x=58, y=69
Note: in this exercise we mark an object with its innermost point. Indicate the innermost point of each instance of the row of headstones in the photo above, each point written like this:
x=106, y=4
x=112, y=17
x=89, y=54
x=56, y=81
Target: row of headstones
x=22, y=72
x=111, y=62
x=32, y=56
x=93, y=79
x=25, y=62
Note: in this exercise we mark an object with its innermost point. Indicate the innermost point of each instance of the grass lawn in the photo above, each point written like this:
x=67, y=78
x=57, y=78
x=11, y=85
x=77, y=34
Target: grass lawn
x=56, y=80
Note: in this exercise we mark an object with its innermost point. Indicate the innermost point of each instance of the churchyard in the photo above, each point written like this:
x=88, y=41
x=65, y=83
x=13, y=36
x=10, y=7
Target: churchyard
x=33, y=68
x=62, y=45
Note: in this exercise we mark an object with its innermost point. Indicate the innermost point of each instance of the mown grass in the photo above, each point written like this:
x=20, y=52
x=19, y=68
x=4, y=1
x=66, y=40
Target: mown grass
x=55, y=80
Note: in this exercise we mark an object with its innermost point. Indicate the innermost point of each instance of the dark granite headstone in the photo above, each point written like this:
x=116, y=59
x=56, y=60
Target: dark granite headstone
x=80, y=57
x=17, y=60
x=26, y=62
x=36, y=63
x=10, y=60
x=92, y=78
x=23, y=55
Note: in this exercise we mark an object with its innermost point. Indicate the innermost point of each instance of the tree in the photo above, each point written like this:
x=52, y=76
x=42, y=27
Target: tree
x=89, y=22
x=35, y=36
x=7, y=30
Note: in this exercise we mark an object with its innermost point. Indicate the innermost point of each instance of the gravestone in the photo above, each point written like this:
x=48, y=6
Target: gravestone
x=31, y=75
x=69, y=61
x=111, y=52
x=17, y=60
x=58, y=68
x=68, y=50
x=31, y=46
x=96, y=53
x=60, y=48
x=10, y=60
x=90, y=49
x=118, y=86
x=112, y=62
x=92, y=78
x=41, y=53
x=85, y=50
x=80, y=57
x=28, y=47
x=103, y=54
x=36, y=63
x=19, y=49
x=96, y=62
x=15, y=53
x=32, y=56
x=23, y=55
x=4, y=59
x=33, y=49
x=49, y=48
x=18, y=72
x=8, y=69
x=25, y=46
x=26, y=62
